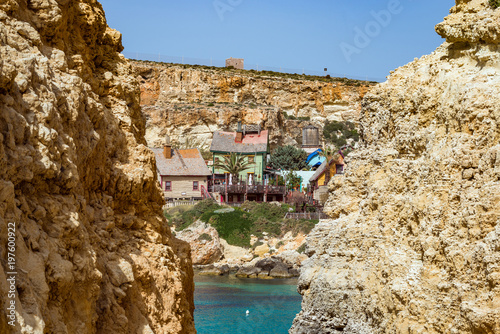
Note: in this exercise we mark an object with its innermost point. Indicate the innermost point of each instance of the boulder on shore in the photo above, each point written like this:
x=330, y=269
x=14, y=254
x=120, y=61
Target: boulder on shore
x=205, y=243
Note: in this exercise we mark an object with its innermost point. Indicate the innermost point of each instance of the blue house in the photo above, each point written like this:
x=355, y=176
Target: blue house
x=314, y=160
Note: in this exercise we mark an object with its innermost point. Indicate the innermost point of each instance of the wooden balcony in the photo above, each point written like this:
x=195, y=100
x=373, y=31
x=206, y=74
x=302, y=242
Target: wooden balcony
x=256, y=189
x=276, y=190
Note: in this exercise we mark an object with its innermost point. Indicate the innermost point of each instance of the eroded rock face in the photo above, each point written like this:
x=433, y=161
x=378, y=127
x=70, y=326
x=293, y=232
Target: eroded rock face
x=414, y=241
x=94, y=254
x=193, y=103
x=204, y=241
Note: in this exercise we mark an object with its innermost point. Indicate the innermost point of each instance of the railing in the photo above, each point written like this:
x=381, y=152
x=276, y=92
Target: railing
x=258, y=189
x=205, y=194
x=173, y=204
x=236, y=189
x=275, y=189
x=306, y=215
x=253, y=189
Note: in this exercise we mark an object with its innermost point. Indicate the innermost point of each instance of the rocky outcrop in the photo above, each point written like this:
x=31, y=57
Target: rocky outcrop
x=204, y=242
x=192, y=103
x=266, y=261
x=93, y=252
x=413, y=245
x=263, y=268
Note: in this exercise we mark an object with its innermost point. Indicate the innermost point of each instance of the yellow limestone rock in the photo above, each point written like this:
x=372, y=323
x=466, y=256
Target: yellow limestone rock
x=261, y=250
x=192, y=103
x=93, y=252
x=413, y=244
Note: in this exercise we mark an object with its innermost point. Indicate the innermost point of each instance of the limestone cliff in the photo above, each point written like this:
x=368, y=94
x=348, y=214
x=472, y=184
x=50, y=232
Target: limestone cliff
x=193, y=102
x=94, y=254
x=413, y=245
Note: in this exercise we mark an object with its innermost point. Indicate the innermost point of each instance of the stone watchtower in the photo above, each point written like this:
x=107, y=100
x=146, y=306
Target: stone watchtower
x=237, y=63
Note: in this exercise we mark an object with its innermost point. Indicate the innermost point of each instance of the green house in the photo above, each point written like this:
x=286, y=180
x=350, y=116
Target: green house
x=253, y=144
x=250, y=142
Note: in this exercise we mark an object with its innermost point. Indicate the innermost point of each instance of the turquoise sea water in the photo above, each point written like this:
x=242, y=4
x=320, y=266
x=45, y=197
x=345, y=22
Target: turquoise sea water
x=221, y=304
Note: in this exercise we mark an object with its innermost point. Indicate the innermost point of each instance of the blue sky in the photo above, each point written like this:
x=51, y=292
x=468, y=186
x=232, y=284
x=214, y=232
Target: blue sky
x=363, y=38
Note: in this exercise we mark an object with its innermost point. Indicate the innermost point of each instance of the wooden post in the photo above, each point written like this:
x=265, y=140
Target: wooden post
x=225, y=175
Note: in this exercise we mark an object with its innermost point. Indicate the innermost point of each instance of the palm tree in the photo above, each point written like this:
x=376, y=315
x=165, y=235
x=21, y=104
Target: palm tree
x=330, y=153
x=233, y=164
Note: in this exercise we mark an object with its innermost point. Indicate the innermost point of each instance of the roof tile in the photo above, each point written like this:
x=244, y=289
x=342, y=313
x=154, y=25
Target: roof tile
x=251, y=143
x=183, y=162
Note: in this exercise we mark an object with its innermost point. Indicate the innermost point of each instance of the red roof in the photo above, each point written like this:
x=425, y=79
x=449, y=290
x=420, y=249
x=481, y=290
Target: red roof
x=252, y=142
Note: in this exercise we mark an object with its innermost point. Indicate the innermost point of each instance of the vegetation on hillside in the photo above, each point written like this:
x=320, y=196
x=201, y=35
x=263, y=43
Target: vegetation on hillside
x=235, y=225
x=495, y=3
x=293, y=118
x=338, y=133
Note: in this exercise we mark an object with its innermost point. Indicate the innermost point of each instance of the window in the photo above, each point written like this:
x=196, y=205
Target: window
x=168, y=185
x=339, y=169
x=251, y=158
x=195, y=185
x=251, y=179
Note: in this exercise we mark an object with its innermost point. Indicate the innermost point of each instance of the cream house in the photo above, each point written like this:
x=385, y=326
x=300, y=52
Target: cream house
x=183, y=174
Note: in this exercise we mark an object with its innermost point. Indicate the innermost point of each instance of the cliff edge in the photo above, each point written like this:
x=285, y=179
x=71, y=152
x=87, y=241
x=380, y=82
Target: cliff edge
x=93, y=253
x=413, y=245
x=190, y=103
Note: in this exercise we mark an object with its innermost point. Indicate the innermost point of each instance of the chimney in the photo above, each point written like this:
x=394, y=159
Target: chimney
x=239, y=133
x=167, y=149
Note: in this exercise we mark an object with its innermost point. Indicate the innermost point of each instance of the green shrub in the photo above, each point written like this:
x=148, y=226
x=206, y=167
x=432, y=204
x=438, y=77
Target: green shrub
x=495, y=3
x=210, y=104
x=302, y=248
x=233, y=226
x=268, y=211
x=290, y=117
x=287, y=207
x=205, y=236
x=187, y=217
x=293, y=181
x=262, y=225
x=337, y=133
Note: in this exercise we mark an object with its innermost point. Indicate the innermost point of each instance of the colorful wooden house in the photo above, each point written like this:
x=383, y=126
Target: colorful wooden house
x=183, y=174
x=252, y=144
x=319, y=181
x=314, y=160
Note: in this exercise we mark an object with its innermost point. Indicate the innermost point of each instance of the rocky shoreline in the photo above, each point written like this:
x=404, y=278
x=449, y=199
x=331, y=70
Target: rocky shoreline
x=263, y=268
x=268, y=258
